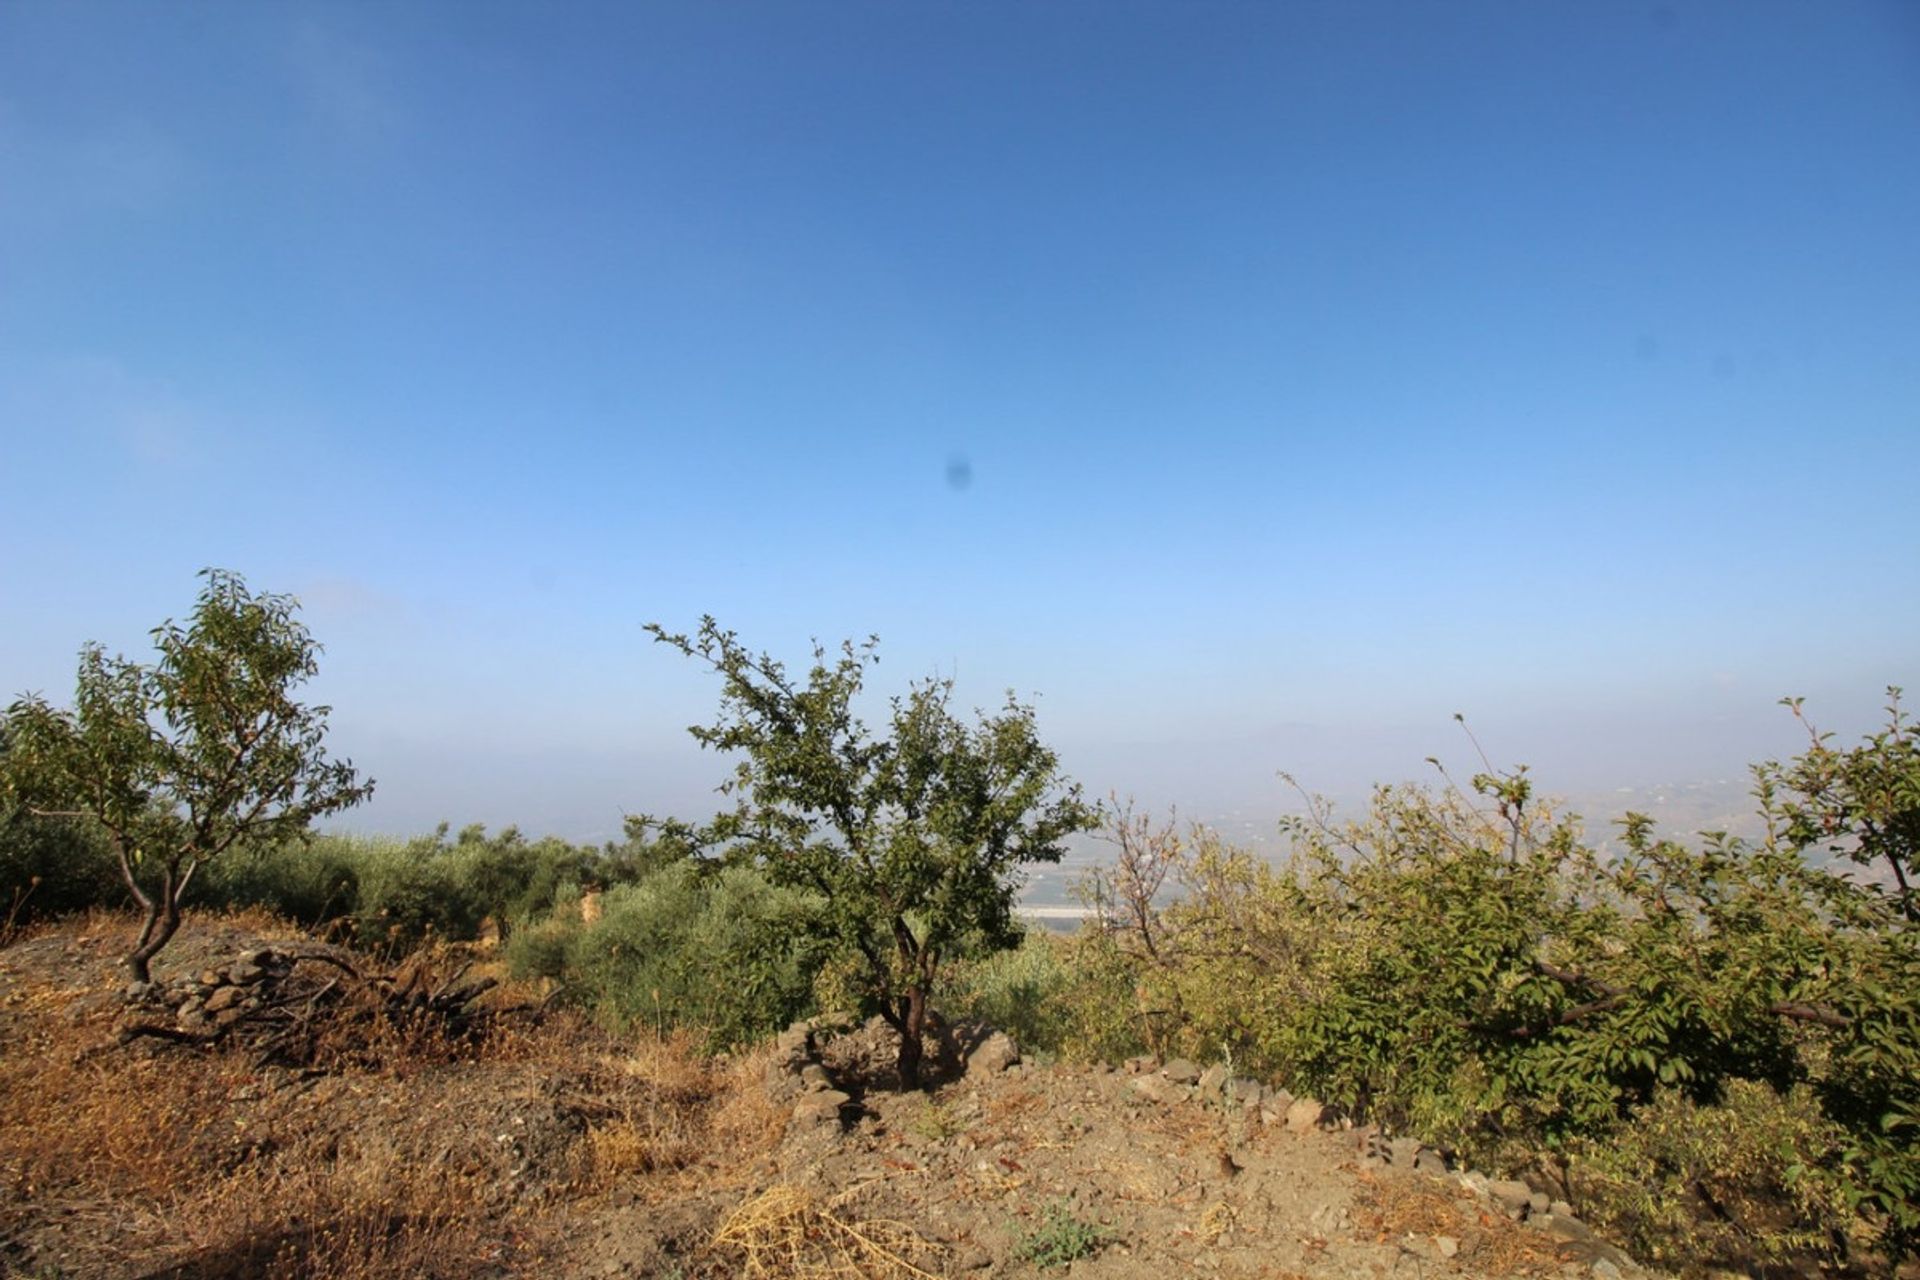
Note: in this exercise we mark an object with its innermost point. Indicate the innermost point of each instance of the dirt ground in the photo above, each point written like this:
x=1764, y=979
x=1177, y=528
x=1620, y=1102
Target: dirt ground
x=537, y=1146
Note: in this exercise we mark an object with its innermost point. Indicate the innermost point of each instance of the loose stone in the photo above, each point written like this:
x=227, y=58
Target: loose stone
x=1181, y=1071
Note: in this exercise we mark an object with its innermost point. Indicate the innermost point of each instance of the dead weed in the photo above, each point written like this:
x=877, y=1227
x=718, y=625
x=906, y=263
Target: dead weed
x=110, y=1121
x=175, y=1161
x=1393, y=1207
x=354, y=1223
x=664, y=1107
x=790, y=1232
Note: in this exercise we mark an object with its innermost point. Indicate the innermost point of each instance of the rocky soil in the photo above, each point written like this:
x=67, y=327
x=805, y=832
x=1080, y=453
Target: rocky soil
x=562, y=1153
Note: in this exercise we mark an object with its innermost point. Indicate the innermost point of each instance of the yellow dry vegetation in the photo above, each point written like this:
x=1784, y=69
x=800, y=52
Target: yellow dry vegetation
x=790, y=1232
x=171, y=1160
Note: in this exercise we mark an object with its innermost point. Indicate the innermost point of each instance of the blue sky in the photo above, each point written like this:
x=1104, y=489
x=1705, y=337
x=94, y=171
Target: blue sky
x=1318, y=371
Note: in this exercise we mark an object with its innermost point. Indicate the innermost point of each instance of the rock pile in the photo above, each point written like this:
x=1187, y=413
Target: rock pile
x=276, y=1001
x=1531, y=1202
x=822, y=1065
x=1182, y=1081
x=795, y=1072
x=218, y=997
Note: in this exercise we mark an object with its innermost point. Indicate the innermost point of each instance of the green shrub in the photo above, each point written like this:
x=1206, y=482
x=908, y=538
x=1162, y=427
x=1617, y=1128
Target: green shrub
x=545, y=947
x=936, y=1121
x=510, y=879
x=52, y=866
x=410, y=892
x=722, y=950
x=1060, y=1238
x=1105, y=1010
x=393, y=894
x=1071, y=996
x=1753, y=1181
x=311, y=884
x=1022, y=992
x=1464, y=966
x=1861, y=805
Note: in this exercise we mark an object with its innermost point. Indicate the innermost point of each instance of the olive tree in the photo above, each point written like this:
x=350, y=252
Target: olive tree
x=913, y=840
x=179, y=760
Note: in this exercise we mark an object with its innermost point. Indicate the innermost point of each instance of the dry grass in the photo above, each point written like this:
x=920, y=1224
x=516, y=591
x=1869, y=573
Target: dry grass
x=256, y=921
x=1219, y=1219
x=1006, y=1118
x=113, y=931
x=170, y=1161
x=79, y=1114
x=790, y=1232
x=120, y=1158
x=745, y=1119
x=365, y=1220
x=1392, y=1207
x=1187, y=1125
x=663, y=1108
x=16, y=925
x=1013, y=1106
x=645, y=1111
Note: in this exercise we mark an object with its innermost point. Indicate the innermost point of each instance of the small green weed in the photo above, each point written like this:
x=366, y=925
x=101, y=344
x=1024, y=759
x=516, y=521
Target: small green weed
x=936, y=1122
x=1060, y=1238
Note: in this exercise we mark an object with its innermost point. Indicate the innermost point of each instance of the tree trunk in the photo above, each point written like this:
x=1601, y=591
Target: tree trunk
x=138, y=965
x=912, y=1032
x=163, y=921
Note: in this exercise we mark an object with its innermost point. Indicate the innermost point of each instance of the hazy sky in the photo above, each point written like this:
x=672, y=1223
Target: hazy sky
x=1254, y=384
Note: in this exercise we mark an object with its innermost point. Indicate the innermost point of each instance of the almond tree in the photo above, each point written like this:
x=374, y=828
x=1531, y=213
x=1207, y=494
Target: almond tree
x=179, y=761
x=914, y=841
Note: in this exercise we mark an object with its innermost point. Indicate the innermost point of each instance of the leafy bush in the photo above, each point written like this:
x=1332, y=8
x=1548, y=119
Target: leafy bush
x=1060, y=1238
x=310, y=886
x=545, y=947
x=1019, y=991
x=1463, y=965
x=52, y=866
x=386, y=896
x=410, y=892
x=1752, y=1181
x=722, y=950
x=1424, y=995
x=1065, y=996
x=392, y=895
x=1862, y=806
x=936, y=1122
